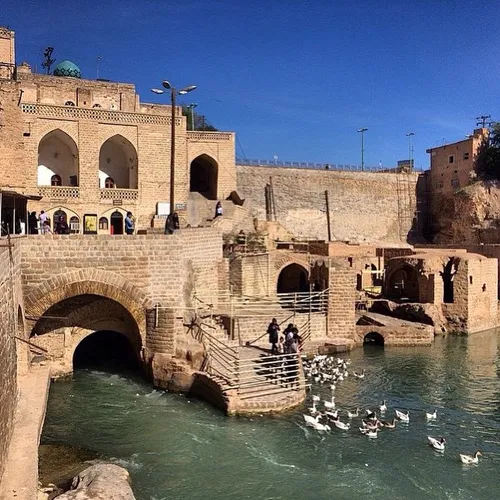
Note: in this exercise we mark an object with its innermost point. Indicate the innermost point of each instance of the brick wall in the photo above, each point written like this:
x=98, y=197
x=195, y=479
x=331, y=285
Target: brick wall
x=11, y=323
x=363, y=206
x=341, y=303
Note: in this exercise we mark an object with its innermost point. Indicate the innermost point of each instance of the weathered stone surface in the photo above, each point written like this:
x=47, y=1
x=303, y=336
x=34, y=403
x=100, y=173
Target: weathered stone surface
x=100, y=482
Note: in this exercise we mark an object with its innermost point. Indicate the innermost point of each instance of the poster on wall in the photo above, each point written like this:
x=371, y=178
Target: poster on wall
x=90, y=224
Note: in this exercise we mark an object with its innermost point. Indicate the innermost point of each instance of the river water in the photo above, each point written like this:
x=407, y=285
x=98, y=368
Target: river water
x=178, y=448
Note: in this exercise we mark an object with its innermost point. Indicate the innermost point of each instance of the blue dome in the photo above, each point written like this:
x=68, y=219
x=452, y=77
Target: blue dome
x=67, y=68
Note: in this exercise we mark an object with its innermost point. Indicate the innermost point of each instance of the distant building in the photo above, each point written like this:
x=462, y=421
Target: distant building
x=452, y=164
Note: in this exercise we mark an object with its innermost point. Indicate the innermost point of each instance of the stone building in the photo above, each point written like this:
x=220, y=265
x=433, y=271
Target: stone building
x=93, y=151
x=461, y=286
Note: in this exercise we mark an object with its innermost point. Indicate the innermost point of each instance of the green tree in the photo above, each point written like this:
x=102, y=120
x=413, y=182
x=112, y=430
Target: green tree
x=488, y=156
x=200, y=122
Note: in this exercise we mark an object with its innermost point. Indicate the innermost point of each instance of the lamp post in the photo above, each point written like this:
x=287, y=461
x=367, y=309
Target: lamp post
x=362, y=131
x=191, y=107
x=410, y=148
x=173, y=94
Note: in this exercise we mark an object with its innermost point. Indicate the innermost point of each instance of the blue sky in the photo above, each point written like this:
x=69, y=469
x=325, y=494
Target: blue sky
x=293, y=78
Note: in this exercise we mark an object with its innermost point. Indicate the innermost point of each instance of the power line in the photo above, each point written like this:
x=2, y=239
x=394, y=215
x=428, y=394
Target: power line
x=484, y=120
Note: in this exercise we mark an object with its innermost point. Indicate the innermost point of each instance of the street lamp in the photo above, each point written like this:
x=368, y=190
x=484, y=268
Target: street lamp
x=191, y=107
x=173, y=94
x=362, y=131
x=410, y=148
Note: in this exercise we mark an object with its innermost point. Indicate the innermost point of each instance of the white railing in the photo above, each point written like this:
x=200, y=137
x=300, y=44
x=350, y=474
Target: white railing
x=59, y=192
x=119, y=194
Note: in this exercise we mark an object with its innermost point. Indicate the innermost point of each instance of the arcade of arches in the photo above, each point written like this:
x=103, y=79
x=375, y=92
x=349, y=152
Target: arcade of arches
x=89, y=330
x=203, y=176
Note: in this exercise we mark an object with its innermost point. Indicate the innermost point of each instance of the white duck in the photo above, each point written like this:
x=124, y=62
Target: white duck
x=330, y=404
x=353, y=415
x=359, y=375
x=333, y=387
x=437, y=444
x=311, y=420
x=431, y=416
x=371, y=433
x=383, y=407
x=405, y=417
x=341, y=425
x=332, y=414
x=469, y=459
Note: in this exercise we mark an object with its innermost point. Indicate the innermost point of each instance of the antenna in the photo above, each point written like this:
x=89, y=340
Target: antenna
x=98, y=64
x=484, y=120
x=48, y=61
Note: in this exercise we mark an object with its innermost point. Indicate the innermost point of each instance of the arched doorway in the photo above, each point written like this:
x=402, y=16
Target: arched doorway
x=203, y=176
x=403, y=284
x=293, y=278
x=57, y=160
x=118, y=164
x=374, y=339
x=106, y=349
x=117, y=223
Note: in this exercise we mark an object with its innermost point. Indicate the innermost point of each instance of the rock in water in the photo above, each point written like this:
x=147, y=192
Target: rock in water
x=100, y=482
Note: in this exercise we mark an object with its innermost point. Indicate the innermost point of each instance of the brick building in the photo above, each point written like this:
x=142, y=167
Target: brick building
x=93, y=151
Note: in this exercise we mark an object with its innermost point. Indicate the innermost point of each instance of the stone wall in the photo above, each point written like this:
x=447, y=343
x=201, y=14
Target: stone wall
x=11, y=324
x=363, y=206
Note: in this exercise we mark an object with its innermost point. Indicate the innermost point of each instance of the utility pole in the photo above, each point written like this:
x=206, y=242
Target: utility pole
x=328, y=223
x=362, y=131
x=410, y=149
x=484, y=120
x=99, y=59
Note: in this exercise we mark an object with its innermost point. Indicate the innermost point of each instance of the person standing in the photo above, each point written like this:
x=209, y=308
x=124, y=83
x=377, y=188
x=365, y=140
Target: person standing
x=61, y=226
x=273, y=330
x=32, y=223
x=129, y=223
x=218, y=209
x=43, y=219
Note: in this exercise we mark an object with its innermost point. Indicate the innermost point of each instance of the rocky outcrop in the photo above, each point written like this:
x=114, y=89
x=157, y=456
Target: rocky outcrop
x=100, y=482
x=470, y=216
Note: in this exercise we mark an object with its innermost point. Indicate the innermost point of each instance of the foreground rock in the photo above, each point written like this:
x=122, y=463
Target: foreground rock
x=100, y=482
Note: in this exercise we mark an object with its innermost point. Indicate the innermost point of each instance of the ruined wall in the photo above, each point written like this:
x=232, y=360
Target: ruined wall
x=363, y=206
x=11, y=324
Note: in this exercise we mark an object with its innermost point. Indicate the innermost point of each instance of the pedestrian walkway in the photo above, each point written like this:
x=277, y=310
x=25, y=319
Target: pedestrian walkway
x=20, y=483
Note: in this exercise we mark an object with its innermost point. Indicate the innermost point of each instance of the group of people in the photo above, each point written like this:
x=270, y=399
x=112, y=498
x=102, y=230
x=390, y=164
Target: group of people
x=41, y=224
x=288, y=343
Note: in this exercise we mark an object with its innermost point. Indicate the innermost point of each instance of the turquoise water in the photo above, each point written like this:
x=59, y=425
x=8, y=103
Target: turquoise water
x=178, y=448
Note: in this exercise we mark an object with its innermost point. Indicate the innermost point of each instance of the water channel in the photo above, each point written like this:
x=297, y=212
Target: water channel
x=178, y=448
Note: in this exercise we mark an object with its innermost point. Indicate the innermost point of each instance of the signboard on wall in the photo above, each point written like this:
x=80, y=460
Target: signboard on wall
x=90, y=224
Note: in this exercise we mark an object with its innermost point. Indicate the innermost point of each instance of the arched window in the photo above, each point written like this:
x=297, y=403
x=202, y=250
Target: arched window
x=103, y=224
x=96, y=105
x=74, y=225
x=55, y=180
x=69, y=103
x=109, y=183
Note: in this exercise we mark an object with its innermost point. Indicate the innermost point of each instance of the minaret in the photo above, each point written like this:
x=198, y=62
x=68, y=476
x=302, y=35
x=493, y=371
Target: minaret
x=7, y=54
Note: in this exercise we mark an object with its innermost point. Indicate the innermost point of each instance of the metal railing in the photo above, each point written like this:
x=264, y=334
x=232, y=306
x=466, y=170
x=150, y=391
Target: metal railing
x=319, y=166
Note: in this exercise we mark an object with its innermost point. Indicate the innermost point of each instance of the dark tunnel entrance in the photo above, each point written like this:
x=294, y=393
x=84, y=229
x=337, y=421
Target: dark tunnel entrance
x=106, y=350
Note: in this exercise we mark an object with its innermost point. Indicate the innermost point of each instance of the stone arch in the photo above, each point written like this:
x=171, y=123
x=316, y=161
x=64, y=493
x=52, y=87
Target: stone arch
x=89, y=282
x=203, y=176
x=292, y=278
x=403, y=283
x=118, y=160
x=58, y=158
x=374, y=338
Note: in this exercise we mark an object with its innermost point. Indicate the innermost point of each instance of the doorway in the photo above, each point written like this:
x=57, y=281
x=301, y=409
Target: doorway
x=117, y=223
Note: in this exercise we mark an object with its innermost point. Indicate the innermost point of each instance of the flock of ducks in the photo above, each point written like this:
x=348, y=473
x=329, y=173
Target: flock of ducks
x=324, y=369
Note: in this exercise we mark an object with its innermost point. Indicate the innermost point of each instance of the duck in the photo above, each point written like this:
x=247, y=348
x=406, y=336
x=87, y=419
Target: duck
x=383, y=407
x=371, y=433
x=353, y=415
x=313, y=410
x=405, y=417
x=437, y=444
x=333, y=387
x=341, y=425
x=431, y=416
x=332, y=414
x=321, y=427
x=469, y=459
x=311, y=420
x=359, y=375
x=330, y=404
x=390, y=425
